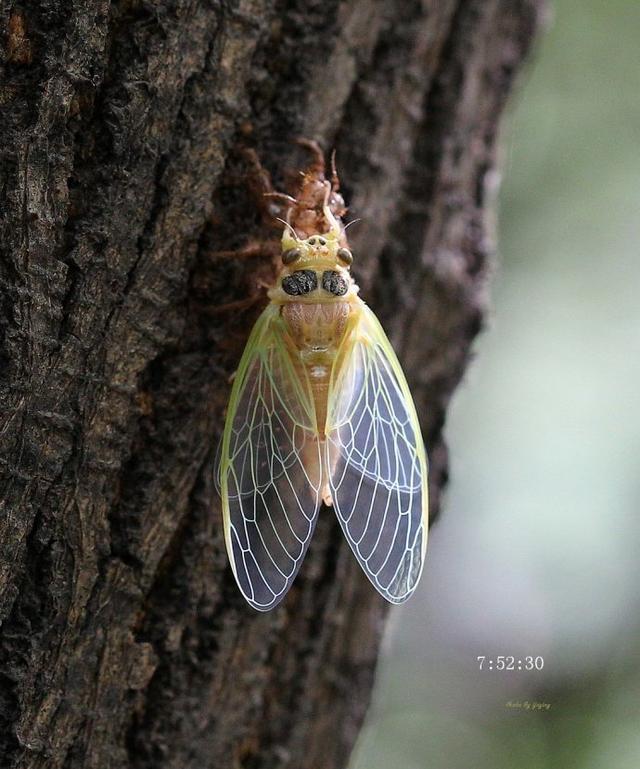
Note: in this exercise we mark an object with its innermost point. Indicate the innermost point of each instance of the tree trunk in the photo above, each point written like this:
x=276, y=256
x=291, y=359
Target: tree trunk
x=124, y=641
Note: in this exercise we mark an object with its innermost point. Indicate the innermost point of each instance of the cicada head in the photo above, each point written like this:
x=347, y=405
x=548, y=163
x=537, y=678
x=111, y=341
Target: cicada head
x=325, y=251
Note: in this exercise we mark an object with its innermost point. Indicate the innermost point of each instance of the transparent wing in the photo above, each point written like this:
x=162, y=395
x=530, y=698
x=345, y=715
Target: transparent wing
x=270, y=467
x=376, y=461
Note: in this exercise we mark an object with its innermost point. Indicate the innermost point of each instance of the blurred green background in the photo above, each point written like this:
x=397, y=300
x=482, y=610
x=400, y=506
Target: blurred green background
x=537, y=552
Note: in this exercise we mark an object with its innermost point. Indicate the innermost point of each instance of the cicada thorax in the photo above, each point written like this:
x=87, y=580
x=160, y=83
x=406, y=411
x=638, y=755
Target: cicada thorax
x=317, y=297
x=317, y=331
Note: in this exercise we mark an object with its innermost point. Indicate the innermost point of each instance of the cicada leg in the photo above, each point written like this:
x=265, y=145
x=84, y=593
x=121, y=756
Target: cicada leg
x=256, y=279
x=273, y=205
x=239, y=305
x=318, y=165
x=248, y=251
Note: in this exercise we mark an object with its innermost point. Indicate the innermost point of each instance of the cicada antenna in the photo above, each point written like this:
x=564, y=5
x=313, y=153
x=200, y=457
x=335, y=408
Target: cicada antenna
x=289, y=227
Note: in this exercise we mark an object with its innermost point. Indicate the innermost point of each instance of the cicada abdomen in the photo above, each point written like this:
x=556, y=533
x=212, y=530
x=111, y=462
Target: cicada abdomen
x=320, y=412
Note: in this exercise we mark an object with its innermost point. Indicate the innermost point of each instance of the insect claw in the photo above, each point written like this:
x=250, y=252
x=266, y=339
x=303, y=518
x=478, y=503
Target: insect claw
x=280, y=196
x=239, y=253
x=237, y=306
x=335, y=179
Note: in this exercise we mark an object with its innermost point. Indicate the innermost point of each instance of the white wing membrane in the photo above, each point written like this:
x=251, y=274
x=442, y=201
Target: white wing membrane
x=270, y=472
x=376, y=462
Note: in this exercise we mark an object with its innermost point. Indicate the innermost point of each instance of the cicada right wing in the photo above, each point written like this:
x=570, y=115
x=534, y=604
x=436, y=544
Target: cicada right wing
x=270, y=472
x=376, y=460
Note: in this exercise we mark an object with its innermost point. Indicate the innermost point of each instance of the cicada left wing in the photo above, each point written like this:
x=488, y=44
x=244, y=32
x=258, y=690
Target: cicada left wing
x=376, y=460
x=270, y=467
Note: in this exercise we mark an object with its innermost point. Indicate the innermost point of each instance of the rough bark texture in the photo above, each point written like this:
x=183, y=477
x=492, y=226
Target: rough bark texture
x=124, y=642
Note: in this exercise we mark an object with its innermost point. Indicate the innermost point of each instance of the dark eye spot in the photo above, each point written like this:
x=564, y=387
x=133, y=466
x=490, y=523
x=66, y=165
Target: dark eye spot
x=345, y=255
x=334, y=283
x=290, y=255
x=312, y=241
x=300, y=282
x=322, y=241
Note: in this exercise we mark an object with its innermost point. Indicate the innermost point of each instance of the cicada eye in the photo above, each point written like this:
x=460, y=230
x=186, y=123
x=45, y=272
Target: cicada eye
x=345, y=255
x=290, y=256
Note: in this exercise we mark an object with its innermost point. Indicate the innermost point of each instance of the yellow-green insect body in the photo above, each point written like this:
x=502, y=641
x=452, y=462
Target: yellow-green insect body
x=320, y=411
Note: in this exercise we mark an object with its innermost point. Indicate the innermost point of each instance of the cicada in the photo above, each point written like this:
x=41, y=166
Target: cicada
x=320, y=413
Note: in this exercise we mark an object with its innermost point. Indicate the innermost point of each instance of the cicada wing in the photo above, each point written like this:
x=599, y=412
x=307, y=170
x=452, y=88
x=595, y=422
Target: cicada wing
x=376, y=460
x=270, y=467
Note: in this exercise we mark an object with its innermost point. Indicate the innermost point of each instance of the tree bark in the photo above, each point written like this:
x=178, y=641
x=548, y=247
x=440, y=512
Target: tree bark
x=124, y=641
